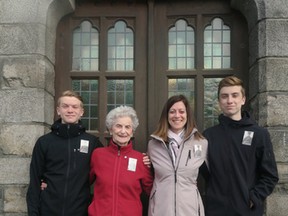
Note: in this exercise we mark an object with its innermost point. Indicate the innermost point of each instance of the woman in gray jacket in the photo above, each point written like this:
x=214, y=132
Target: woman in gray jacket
x=176, y=150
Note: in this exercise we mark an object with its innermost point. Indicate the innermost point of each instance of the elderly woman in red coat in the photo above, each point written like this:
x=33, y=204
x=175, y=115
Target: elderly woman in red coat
x=118, y=171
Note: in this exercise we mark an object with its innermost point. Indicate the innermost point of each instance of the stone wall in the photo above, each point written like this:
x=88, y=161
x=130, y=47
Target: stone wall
x=27, y=56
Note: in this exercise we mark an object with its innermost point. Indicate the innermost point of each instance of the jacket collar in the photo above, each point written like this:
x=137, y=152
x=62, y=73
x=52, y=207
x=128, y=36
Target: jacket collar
x=120, y=149
x=67, y=130
x=246, y=120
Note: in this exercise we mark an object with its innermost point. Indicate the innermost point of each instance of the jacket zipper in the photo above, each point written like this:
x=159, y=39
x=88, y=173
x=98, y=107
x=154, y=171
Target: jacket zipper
x=115, y=185
x=67, y=173
x=175, y=174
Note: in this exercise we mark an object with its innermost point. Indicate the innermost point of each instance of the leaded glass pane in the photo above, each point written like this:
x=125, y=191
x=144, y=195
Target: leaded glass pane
x=94, y=38
x=94, y=51
x=226, y=62
x=120, y=52
x=226, y=36
x=182, y=86
x=172, y=51
x=129, y=53
x=207, y=49
x=217, y=36
x=85, y=39
x=85, y=48
x=172, y=37
x=181, y=42
x=111, y=65
x=85, y=51
x=88, y=89
x=129, y=65
x=190, y=62
x=120, y=92
x=172, y=63
x=190, y=50
x=76, y=53
x=181, y=51
x=207, y=62
x=77, y=37
x=120, y=97
x=217, y=43
x=217, y=62
x=181, y=62
x=120, y=48
x=94, y=64
x=211, y=108
x=85, y=64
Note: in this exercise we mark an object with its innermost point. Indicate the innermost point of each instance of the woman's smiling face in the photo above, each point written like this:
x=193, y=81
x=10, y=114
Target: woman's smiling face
x=177, y=117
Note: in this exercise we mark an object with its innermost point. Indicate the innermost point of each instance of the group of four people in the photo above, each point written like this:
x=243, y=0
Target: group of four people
x=235, y=157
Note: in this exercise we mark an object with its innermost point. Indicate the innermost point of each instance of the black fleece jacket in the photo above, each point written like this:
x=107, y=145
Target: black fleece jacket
x=240, y=171
x=61, y=158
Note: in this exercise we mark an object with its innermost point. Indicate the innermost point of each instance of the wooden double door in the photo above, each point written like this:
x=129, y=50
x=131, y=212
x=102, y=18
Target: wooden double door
x=139, y=53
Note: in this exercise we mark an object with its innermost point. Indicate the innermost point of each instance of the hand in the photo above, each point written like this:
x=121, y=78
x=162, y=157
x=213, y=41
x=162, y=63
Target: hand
x=146, y=160
x=43, y=185
x=251, y=204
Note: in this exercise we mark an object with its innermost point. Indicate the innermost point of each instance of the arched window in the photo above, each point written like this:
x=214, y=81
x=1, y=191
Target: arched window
x=120, y=48
x=217, y=45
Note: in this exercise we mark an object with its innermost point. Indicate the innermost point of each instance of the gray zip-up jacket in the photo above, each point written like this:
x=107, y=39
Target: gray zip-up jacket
x=175, y=191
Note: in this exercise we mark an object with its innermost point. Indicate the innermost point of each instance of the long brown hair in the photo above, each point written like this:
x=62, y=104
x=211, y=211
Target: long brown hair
x=163, y=124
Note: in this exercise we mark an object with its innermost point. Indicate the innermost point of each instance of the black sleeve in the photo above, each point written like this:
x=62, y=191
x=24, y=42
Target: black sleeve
x=266, y=170
x=36, y=173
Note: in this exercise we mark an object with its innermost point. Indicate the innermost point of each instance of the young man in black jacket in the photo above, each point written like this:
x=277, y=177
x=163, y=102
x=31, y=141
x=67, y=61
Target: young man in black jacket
x=61, y=159
x=242, y=165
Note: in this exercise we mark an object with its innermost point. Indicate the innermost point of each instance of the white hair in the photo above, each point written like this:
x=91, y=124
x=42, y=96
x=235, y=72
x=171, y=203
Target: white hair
x=122, y=111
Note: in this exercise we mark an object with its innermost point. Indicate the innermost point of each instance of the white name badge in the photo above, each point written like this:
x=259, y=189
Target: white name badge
x=132, y=164
x=247, y=138
x=197, y=151
x=84, y=146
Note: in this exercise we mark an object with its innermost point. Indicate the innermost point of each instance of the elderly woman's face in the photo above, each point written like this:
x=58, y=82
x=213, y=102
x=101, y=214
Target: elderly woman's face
x=121, y=131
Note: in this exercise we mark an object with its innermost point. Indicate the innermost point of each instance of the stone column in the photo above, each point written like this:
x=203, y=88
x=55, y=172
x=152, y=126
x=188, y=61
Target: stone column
x=268, y=83
x=27, y=57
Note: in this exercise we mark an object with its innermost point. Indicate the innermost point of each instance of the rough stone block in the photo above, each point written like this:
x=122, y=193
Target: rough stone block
x=283, y=177
x=279, y=139
x=272, y=44
x=277, y=205
x=26, y=105
x=22, y=39
x=14, y=170
x=13, y=11
x=19, y=139
x=272, y=109
x=15, y=199
x=34, y=72
x=264, y=42
x=276, y=9
x=269, y=74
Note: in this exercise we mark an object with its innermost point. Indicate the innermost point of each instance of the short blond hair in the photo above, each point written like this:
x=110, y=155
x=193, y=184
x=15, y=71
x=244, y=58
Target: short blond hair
x=70, y=93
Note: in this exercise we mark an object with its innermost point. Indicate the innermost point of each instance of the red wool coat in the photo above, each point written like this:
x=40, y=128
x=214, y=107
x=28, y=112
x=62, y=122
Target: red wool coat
x=120, y=177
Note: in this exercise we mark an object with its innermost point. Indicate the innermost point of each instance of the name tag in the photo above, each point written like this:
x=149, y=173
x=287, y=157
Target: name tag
x=132, y=164
x=84, y=146
x=197, y=151
x=247, y=138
